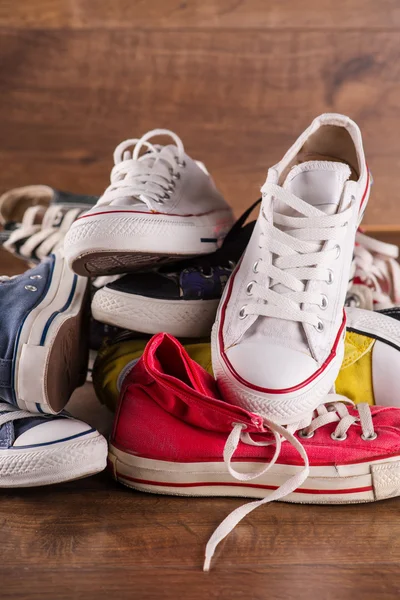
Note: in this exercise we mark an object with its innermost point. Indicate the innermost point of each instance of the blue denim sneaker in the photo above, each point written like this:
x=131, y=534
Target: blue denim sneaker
x=44, y=338
x=42, y=449
x=180, y=299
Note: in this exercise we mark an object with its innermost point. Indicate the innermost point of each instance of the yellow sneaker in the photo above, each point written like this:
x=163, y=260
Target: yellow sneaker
x=370, y=371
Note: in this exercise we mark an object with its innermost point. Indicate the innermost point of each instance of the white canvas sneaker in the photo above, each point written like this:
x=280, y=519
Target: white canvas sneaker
x=278, y=339
x=376, y=274
x=161, y=205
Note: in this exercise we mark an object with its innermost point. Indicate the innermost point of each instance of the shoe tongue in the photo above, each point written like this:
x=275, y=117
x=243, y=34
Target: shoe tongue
x=319, y=183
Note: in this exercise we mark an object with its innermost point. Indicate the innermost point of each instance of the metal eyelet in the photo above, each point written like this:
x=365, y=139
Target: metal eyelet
x=324, y=302
x=35, y=277
x=31, y=288
x=353, y=300
x=338, y=439
x=319, y=327
x=369, y=439
x=242, y=313
x=207, y=275
x=329, y=281
x=255, y=266
x=338, y=251
x=306, y=435
x=249, y=287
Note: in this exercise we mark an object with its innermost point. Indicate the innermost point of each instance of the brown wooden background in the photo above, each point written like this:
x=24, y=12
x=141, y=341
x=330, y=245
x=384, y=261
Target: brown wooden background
x=238, y=80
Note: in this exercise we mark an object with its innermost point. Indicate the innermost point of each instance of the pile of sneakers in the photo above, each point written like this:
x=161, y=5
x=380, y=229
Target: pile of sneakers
x=294, y=396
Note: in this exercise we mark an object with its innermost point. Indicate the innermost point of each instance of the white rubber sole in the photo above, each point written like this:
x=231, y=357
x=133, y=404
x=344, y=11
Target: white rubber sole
x=373, y=324
x=336, y=484
x=123, y=241
x=55, y=463
x=52, y=349
x=282, y=408
x=181, y=318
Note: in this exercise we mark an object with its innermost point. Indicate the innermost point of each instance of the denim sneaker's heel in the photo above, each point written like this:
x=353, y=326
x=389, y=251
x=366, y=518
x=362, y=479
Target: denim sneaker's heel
x=52, y=354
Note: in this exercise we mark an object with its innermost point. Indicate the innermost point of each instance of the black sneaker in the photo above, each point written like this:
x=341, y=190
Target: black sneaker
x=180, y=299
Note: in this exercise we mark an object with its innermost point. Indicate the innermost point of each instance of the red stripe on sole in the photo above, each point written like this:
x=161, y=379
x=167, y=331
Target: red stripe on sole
x=248, y=485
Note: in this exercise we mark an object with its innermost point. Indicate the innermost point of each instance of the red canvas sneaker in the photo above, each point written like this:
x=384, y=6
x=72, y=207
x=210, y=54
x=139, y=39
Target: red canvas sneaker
x=204, y=446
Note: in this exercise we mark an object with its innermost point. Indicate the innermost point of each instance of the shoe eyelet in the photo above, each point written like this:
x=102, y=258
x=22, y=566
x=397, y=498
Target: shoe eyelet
x=176, y=175
x=180, y=164
x=324, y=302
x=353, y=300
x=305, y=435
x=255, y=266
x=329, y=281
x=242, y=313
x=338, y=439
x=249, y=287
x=35, y=277
x=31, y=288
x=207, y=275
x=319, y=327
x=369, y=439
x=159, y=201
x=338, y=251
x=167, y=196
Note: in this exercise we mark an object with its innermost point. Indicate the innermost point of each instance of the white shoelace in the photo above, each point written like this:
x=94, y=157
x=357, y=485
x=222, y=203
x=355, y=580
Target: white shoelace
x=10, y=413
x=332, y=410
x=375, y=264
x=296, y=242
x=42, y=238
x=149, y=178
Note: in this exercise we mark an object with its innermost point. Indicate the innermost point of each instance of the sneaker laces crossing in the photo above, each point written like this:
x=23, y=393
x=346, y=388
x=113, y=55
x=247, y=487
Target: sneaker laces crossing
x=375, y=265
x=42, y=238
x=148, y=178
x=10, y=413
x=297, y=245
x=332, y=410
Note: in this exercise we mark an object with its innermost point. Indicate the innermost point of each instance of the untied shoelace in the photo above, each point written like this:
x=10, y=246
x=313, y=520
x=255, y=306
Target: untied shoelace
x=332, y=410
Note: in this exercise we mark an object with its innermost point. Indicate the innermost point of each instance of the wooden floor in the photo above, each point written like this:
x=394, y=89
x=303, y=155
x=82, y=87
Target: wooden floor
x=238, y=80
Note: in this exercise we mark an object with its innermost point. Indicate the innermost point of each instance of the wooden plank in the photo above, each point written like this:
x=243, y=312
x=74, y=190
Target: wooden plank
x=200, y=14
x=238, y=100
x=269, y=583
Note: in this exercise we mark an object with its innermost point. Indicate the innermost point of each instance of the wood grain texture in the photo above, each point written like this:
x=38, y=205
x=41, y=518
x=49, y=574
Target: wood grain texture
x=238, y=100
x=200, y=14
x=238, y=80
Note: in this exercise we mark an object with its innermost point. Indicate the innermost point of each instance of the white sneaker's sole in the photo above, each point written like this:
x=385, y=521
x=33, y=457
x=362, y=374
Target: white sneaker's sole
x=52, y=345
x=336, y=484
x=53, y=463
x=181, y=318
x=121, y=241
x=282, y=408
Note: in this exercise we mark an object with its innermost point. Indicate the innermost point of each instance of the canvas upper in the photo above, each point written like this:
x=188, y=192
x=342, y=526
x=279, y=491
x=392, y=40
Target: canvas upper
x=18, y=296
x=280, y=325
x=376, y=274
